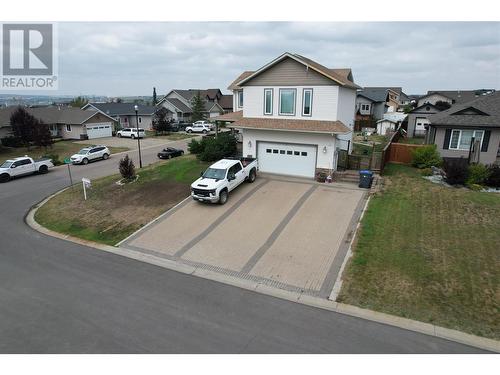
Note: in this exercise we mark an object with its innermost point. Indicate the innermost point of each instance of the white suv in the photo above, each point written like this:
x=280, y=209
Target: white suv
x=204, y=122
x=198, y=128
x=90, y=153
x=131, y=133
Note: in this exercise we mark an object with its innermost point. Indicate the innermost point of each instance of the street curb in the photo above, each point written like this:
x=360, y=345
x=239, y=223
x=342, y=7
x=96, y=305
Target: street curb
x=325, y=304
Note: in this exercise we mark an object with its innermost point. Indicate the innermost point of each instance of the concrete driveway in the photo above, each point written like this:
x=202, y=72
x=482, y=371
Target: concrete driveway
x=290, y=234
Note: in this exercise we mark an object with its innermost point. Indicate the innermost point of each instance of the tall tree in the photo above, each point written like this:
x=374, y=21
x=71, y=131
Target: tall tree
x=78, y=102
x=161, y=122
x=22, y=124
x=198, y=106
x=154, y=96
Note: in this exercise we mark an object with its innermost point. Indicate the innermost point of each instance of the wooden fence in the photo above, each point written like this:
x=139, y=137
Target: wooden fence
x=397, y=152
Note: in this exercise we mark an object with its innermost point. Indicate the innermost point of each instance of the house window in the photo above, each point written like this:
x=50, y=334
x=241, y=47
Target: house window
x=287, y=102
x=140, y=120
x=268, y=101
x=461, y=139
x=307, y=102
x=68, y=127
x=240, y=99
x=365, y=107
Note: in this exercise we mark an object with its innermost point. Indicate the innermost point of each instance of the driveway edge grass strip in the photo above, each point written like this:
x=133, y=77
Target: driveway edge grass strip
x=350, y=310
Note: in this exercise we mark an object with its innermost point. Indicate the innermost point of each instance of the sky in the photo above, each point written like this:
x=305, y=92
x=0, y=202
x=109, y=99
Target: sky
x=125, y=59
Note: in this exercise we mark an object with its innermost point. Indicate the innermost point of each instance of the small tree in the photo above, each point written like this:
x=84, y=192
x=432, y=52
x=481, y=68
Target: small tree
x=198, y=106
x=78, y=102
x=127, y=168
x=161, y=123
x=442, y=105
x=154, y=96
x=41, y=135
x=23, y=124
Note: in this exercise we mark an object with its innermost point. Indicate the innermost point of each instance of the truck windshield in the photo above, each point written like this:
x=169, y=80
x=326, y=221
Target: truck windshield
x=6, y=164
x=216, y=174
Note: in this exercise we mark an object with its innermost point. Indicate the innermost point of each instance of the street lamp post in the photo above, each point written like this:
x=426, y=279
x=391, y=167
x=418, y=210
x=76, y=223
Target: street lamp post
x=138, y=135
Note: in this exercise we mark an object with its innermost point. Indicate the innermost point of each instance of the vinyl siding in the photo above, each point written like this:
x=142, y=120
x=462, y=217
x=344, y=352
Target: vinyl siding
x=324, y=104
x=488, y=157
x=289, y=73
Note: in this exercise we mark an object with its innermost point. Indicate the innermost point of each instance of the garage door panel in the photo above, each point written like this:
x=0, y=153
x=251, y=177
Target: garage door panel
x=287, y=158
x=99, y=130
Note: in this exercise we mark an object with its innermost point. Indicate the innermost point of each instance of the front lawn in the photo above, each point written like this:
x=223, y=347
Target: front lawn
x=62, y=148
x=174, y=136
x=429, y=253
x=113, y=212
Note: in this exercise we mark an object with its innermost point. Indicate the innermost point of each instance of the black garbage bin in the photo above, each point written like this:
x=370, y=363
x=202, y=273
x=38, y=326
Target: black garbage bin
x=365, y=179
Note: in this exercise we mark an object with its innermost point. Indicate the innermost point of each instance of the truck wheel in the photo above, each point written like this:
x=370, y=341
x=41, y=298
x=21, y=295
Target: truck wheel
x=85, y=161
x=4, y=177
x=119, y=135
x=252, y=176
x=105, y=156
x=223, y=197
x=189, y=131
x=43, y=169
x=204, y=132
x=132, y=136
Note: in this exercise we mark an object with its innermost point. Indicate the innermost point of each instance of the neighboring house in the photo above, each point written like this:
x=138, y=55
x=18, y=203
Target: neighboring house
x=124, y=113
x=390, y=122
x=454, y=129
x=65, y=122
x=373, y=102
x=452, y=97
x=297, y=115
x=418, y=120
x=179, y=103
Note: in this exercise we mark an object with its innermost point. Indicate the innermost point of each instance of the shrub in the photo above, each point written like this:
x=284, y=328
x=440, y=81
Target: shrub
x=196, y=147
x=54, y=157
x=127, y=168
x=426, y=157
x=477, y=174
x=493, y=179
x=12, y=142
x=215, y=148
x=475, y=187
x=426, y=172
x=456, y=170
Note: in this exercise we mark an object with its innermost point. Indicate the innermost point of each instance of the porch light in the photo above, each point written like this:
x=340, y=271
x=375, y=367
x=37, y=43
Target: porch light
x=324, y=149
x=249, y=144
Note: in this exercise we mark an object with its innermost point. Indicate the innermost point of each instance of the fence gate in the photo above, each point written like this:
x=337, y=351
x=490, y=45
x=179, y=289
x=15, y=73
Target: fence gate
x=342, y=159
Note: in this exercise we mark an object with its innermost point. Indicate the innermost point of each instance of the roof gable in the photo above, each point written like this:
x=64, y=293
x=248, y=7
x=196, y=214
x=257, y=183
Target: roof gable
x=470, y=111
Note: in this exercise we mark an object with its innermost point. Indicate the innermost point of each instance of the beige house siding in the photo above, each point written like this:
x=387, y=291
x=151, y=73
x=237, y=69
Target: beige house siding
x=488, y=157
x=289, y=73
x=76, y=131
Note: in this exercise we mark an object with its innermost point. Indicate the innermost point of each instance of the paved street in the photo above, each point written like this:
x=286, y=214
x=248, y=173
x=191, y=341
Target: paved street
x=59, y=297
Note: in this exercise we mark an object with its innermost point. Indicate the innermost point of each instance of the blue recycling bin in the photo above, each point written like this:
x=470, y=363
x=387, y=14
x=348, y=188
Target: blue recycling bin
x=365, y=179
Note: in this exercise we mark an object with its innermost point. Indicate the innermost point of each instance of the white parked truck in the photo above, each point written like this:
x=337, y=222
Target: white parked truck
x=22, y=166
x=222, y=177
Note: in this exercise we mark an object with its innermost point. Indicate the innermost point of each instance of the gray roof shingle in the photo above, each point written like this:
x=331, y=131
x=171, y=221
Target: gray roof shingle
x=115, y=109
x=50, y=115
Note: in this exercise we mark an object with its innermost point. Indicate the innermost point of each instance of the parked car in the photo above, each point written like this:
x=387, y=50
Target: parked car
x=22, y=166
x=87, y=154
x=170, y=152
x=205, y=122
x=179, y=126
x=222, y=177
x=131, y=133
x=198, y=128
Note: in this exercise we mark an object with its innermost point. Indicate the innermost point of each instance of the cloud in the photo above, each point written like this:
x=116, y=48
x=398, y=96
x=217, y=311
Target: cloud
x=130, y=58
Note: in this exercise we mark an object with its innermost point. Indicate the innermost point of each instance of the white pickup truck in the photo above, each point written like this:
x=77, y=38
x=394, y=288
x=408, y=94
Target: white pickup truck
x=23, y=166
x=221, y=177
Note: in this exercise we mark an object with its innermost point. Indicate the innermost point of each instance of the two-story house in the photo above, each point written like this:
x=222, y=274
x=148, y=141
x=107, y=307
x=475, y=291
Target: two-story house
x=373, y=102
x=179, y=103
x=296, y=115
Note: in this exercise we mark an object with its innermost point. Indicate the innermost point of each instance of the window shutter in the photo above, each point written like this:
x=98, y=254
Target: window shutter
x=486, y=140
x=447, y=136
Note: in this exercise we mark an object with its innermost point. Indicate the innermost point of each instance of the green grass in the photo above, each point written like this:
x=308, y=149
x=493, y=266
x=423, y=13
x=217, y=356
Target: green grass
x=429, y=253
x=62, y=148
x=113, y=212
x=171, y=137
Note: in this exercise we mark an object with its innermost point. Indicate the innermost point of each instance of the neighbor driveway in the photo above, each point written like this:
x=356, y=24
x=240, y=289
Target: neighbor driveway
x=126, y=142
x=290, y=234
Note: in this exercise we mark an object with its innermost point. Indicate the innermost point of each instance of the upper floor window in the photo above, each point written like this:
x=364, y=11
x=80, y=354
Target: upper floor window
x=307, y=102
x=287, y=102
x=268, y=101
x=365, y=107
x=240, y=99
x=68, y=127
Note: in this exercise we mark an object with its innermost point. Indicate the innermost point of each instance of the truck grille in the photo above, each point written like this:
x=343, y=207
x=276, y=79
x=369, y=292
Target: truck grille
x=201, y=193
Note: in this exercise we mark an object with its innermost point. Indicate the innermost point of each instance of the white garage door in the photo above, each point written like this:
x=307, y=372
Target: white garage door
x=99, y=130
x=286, y=158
